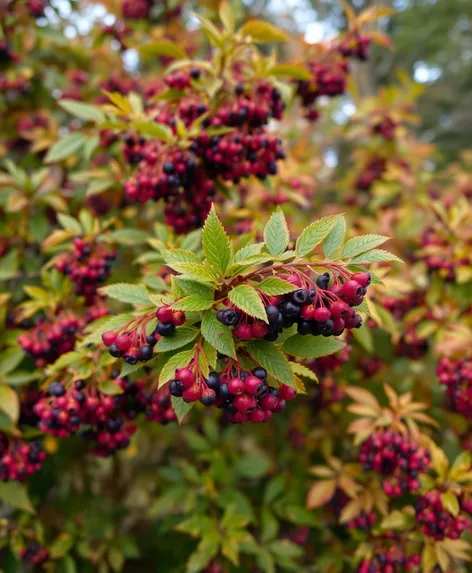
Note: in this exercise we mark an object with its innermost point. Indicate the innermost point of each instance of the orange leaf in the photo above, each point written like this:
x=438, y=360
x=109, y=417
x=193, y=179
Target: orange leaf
x=320, y=493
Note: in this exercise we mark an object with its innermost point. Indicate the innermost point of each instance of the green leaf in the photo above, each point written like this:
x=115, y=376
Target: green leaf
x=210, y=31
x=181, y=408
x=16, y=495
x=262, y=31
x=65, y=147
x=226, y=15
x=285, y=548
x=68, y=222
x=193, y=303
x=162, y=48
x=219, y=336
x=129, y=236
x=180, y=360
x=253, y=466
x=216, y=244
x=335, y=238
x=82, y=110
x=110, y=387
x=246, y=299
x=9, y=265
x=183, y=335
x=272, y=359
x=195, y=272
x=294, y=71
x=276, y=235
x=154, y=130
x=311, y=346
x=314, y=234
x=9, y=402
x=274, y=286
x=376, y=256
x=248, y=251
x=450, y=503
x=361, y=244
x=304, y=371
x=10, y=359
x=125, y=292
x=172, y=256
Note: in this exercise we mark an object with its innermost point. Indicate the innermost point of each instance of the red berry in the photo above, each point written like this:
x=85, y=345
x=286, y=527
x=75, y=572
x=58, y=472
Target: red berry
x=351, y=290
x=245, y=403
x=236, y=386
x=108, y=338
x=186, y=376
x=259, y=329
x=268, y=402
x=253, y=385
x=307, y=312
x=280, y=406
x=257, y=416
x=243, y=331
x=192, y=394
x=178, y=317
x=123, y=342
x=322, y=314
x=340, y=308
x=164, y=314
x=287, y=392
x=362, y=278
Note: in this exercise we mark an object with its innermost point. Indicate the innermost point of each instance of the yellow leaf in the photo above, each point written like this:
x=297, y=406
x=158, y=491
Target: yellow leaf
x=352, y=510
x=9, y=402
x=261, y=31
x=320, y=493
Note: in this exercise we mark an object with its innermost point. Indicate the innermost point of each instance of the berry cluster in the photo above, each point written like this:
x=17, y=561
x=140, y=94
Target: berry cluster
x=393, y=560
x=398, y=458
x=186, y=178
x=157, y=405
x=48, y=340
x=244, y=396
x=439, y=255
x=435, y=520
x=316, y=308
x=371, y=172
x=355, y=46
x=456, y=375
x=134, y=344
x=18, y=459
x=88, y=266
x=363, y=522
x=385, y=127
x=34, y=553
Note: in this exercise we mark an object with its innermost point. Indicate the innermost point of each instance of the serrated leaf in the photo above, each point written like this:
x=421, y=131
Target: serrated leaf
x=180, y=360
x=274, y=286
x=195, y=272
x=181, y=408
x=264, y=32
x=194, y=303
x=273, y=360
x=246, y=299
x=65, y=147
x=314, y=234
x=219, y=336
x=216, y=244
x=303, y=371
x=376, y=256
x=361, y=244
x=248, y=251
x=125, y=292
x=172, y=256
x=311, y=346
x=82, y=110
x=276, y=235
x=183, y=335
x=335, y=238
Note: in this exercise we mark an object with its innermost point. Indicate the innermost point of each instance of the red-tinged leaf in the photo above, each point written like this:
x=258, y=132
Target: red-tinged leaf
x=380, y=39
